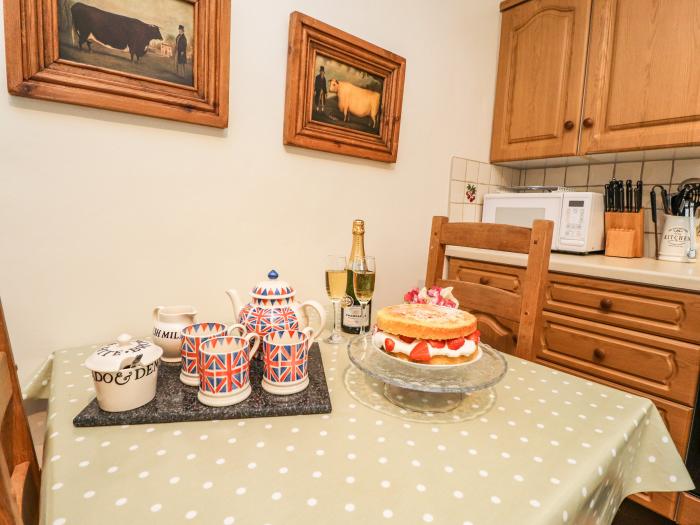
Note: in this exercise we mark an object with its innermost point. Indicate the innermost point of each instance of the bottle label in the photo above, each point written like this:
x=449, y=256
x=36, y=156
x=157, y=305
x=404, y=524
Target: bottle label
x=356, y=316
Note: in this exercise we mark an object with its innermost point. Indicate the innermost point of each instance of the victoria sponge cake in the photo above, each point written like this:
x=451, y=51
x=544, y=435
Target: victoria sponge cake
x=427, y=333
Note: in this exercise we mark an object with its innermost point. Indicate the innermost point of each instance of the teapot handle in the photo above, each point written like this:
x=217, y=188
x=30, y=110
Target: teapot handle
x=321, y=313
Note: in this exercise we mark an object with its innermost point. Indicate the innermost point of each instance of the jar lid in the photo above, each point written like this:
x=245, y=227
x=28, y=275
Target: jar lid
x=124, y=353
x=273, y=288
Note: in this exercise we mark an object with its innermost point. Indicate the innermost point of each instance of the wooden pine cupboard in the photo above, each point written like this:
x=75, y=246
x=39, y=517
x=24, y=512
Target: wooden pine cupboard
x=579, y=77
x=638, y=338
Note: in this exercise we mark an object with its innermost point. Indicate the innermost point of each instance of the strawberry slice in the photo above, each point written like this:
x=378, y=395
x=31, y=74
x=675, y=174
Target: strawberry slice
x=455, y=344
x=420, y=352
x=407, y=340
x=389, y=345
x=474, y=336
x=437, y=344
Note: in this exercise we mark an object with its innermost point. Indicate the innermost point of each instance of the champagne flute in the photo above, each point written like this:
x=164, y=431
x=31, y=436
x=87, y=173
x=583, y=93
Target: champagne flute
x=363, y=274
x=336, y=281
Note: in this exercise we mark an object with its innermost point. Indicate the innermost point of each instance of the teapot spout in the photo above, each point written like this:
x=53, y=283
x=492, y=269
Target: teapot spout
x=235, y=301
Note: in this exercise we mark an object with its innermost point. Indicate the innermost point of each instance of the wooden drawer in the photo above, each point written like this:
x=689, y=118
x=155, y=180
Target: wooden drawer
x=688, y=510
x=657, y=311
x=499, y=276
x=644, y=362
x=678, y=420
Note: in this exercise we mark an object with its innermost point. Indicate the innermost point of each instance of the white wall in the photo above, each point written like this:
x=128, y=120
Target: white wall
x=104, y=215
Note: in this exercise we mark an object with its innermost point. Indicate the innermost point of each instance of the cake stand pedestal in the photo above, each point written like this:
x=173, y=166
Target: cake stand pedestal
x=427, y=388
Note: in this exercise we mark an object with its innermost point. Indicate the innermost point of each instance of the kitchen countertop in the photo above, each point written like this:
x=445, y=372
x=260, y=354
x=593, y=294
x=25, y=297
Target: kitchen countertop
x=665, y=274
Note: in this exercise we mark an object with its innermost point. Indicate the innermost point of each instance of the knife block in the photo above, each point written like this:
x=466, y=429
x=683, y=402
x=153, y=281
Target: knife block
x=624, y=234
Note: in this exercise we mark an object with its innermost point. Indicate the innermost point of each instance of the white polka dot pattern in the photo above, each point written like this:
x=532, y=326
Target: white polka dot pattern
x=534, y=440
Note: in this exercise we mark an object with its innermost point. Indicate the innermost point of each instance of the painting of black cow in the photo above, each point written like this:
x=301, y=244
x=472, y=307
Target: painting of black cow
x=346, y=96
x=152, y=39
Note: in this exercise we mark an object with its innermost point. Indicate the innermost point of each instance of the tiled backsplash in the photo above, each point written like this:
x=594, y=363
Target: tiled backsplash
x=470, y=181
x=482, y=178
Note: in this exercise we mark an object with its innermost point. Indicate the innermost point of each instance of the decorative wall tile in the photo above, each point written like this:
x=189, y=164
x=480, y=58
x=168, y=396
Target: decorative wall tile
x=600, y=174
x=457, y=191
x=576, y=176
x=458, y=169
x=554, y=176
x=470, y=193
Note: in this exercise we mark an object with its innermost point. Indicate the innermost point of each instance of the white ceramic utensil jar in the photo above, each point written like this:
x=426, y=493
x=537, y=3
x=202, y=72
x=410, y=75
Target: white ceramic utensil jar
x=168, y=322
x=125, y=373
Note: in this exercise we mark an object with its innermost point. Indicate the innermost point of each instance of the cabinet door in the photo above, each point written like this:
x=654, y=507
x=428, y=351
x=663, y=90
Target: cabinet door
x=540, y=80
x=643, y=84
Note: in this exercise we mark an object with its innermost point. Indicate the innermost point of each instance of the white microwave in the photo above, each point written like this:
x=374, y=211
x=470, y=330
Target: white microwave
x=578, y=216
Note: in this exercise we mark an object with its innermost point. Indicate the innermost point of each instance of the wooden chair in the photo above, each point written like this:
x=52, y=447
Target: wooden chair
x=19, y=470
x=491, y=304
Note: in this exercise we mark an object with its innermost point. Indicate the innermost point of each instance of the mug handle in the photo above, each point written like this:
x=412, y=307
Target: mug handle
x=234, y=327
x=321, y=313
x=251, y=352
x=310, y=333
x=156, y=311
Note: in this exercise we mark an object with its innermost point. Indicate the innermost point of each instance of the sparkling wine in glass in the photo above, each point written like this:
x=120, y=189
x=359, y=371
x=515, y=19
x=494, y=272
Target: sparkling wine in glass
x=363, y=278
x=336, y=282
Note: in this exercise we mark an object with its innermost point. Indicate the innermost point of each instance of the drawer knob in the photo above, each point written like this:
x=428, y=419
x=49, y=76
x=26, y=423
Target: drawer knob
x=599, y=354
x=588, y=122
x=569, y=124
x=606, y=304
x=484, y=280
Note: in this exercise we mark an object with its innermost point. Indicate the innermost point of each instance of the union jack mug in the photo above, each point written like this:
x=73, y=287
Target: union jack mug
x=224, y=369
x=286, y=361
x=191, y=338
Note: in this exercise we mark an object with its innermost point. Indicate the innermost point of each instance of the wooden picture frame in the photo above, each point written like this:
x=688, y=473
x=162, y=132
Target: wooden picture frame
x=35, y=69
x=312, y=42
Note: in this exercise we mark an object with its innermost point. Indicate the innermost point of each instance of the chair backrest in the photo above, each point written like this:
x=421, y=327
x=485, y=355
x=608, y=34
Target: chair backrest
x=19, y=470
x=524, y=308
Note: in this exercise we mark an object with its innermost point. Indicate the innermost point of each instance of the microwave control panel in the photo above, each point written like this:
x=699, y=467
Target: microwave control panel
x=574, y=220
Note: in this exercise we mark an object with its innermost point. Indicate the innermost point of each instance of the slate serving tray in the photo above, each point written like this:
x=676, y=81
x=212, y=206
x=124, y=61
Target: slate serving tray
x=175, y=401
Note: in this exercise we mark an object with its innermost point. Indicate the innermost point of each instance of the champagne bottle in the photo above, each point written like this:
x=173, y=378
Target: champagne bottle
x=353, y=316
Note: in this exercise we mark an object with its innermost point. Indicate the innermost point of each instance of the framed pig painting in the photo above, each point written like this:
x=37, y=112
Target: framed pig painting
x=162, y=58
x=343, y=94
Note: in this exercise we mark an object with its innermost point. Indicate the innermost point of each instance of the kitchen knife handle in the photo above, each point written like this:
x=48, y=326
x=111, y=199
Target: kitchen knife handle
x=652, y=196
x=606, y=198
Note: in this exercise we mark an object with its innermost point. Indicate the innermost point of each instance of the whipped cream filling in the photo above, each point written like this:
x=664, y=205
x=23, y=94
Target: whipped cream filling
x=468, y=348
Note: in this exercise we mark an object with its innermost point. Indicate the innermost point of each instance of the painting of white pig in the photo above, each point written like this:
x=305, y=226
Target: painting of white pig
x=346, y=96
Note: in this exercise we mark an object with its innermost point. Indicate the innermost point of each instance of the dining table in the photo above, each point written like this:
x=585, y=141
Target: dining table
x=540, y=447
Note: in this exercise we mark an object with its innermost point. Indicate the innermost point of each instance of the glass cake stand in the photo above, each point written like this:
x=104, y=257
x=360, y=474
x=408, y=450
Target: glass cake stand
x=426, y=388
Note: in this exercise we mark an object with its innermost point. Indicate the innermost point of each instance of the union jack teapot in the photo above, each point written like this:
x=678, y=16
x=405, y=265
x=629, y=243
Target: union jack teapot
x=273, y=308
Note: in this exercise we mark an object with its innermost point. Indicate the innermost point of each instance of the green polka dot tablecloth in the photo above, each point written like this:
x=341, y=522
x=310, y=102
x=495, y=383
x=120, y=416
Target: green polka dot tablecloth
x=551, y=449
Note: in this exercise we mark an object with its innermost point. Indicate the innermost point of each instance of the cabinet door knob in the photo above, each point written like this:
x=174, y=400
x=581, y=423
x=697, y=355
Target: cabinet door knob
x=599, y=354
x=588, y=122
x=569, y=124
x=606, y=304
x=484, y=280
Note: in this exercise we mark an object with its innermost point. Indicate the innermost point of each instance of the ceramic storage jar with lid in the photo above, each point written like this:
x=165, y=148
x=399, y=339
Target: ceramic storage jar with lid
x=125, y=373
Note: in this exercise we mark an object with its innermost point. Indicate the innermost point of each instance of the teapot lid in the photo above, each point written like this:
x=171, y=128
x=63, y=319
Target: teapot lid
x=273, y=288
x=124, y=353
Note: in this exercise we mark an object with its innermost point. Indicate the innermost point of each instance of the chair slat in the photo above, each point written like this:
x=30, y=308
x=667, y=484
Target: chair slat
x=5, y=386
x=487, y=299
x=487, y=236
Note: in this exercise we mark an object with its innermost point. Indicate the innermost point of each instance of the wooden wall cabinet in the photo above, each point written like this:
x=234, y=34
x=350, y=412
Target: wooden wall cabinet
x=636, y=338
x=577, y=77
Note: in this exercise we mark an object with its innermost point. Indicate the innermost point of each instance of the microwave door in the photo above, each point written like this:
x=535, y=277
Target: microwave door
x=519, y=216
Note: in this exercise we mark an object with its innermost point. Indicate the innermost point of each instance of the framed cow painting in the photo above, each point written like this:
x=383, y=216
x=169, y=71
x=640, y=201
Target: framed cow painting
x=343, y=94
x=161, y=58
